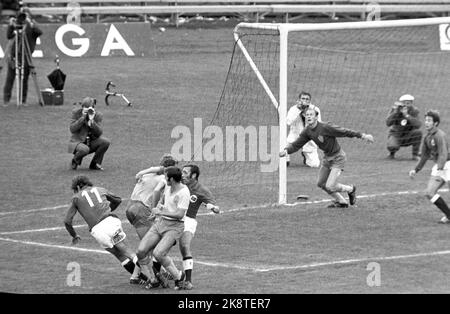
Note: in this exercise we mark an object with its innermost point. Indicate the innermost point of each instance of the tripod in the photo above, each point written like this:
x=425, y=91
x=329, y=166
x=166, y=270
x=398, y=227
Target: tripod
x=22, y=60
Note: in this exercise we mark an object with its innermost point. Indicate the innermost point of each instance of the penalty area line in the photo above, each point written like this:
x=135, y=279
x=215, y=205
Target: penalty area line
x=251, y=268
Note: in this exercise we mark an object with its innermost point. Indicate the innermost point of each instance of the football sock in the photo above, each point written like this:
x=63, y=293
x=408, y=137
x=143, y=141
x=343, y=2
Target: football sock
x=344, y=188
x=338, y=197
x=136, y=272
x=128, y=265
x=441, y=204
x=157, y=266
x=188, y=264
x=171, y=268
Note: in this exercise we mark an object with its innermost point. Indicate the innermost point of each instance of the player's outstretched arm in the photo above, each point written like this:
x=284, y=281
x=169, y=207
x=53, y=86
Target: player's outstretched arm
x=141, y=173
x=214, y=208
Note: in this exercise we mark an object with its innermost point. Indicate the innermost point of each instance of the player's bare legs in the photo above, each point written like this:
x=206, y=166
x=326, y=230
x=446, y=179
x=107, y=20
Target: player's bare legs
x=323, y=177
x=124, y=250
x=160, y=253
x=434, y=184
x=148, y=243
x=333, y=184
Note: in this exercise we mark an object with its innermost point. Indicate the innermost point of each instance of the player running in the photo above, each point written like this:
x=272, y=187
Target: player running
x=96, y=204
x=324, y=135
x=435, y=145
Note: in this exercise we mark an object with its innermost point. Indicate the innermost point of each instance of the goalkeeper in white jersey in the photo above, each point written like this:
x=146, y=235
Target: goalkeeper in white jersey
x=296, y=122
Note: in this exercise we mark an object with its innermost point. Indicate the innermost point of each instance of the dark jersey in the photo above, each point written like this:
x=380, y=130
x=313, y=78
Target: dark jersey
x=199, y=194
x=400, y=124
x=324, y=135
x=94, y=204
x=434, y=145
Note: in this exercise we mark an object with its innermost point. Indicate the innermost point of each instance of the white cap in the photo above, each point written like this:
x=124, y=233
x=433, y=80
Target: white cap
x=406, y=97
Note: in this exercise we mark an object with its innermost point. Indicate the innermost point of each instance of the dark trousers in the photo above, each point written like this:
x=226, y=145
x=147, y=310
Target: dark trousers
x=98, y=146
x=412, y=138
x=10, y=77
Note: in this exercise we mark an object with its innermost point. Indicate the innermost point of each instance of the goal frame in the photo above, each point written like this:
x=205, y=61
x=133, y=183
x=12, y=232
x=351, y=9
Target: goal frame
x=283, y=30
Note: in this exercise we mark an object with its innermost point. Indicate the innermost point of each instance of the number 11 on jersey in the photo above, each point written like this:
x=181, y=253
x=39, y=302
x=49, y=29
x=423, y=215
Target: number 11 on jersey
x=88, y=197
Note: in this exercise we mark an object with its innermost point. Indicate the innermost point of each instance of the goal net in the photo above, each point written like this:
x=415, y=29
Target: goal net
x=354, y=72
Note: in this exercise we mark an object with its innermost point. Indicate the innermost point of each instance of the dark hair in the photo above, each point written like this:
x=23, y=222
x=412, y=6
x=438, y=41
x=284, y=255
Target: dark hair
x=167, y=160
x=194, y=169
x=306, y=94
x=80, y=181
x=434, y=114
x=173, y=172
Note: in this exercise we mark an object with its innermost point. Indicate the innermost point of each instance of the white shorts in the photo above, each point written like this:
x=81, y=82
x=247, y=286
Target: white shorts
x=444, y=174
x=190, y=224
x=108, y=232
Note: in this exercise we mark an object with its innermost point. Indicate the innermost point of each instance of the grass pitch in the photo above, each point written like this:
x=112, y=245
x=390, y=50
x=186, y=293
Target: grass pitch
x=303, y=248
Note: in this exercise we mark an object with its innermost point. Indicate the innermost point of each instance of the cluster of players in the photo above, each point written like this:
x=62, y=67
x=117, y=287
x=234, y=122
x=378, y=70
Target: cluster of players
x=166, y=199
x=162, y=208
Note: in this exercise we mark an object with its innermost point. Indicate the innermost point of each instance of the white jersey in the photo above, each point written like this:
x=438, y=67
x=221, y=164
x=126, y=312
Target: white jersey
x=296, y=123
x=178, y=200
x=143, y=190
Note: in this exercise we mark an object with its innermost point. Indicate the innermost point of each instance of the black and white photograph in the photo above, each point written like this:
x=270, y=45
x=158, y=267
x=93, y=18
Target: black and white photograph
x=222, y=153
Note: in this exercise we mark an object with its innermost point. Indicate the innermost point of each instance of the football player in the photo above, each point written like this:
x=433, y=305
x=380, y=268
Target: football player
x=200, y=194
x=295, y=120
x=324, y=135
x=435, y=145
x=168, y=226
x=96, y=204
x=138, y=210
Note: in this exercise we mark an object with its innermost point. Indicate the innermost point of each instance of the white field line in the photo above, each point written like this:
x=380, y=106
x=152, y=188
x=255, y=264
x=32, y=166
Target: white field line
x=79, y=249
x=25, y=211
x=231, y=210
x=353, y=261
x=251, y=268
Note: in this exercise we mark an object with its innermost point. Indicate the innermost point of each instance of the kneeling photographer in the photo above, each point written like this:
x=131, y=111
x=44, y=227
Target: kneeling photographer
x=24, y=32
x=404, y=127
x=86, y=129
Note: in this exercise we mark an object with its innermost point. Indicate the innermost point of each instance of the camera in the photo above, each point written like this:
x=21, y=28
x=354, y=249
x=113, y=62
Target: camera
x=91, y=111
x=21, y=16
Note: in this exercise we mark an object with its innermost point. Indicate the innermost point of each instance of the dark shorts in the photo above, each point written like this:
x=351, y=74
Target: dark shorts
x=139, y=215
x=336, y=161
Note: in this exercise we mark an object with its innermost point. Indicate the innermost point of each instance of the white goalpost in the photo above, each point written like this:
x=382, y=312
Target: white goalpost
x=354, y=71
x=248, y=47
